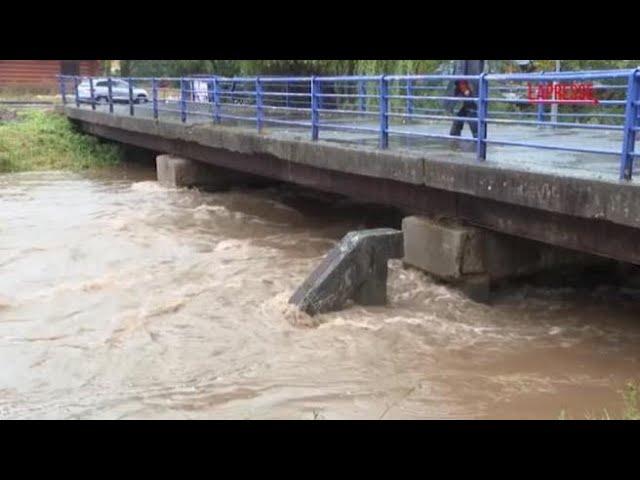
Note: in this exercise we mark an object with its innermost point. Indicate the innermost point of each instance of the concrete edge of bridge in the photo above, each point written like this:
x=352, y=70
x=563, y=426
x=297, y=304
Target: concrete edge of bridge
x=593, y=199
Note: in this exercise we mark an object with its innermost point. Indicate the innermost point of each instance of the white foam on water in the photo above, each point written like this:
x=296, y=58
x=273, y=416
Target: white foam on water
x=280, y=306
x=148, y=187
x=135, y=319
x=216, y=209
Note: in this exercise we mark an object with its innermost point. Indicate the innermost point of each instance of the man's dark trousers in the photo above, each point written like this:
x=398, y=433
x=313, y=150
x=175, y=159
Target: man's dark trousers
x=468, y=110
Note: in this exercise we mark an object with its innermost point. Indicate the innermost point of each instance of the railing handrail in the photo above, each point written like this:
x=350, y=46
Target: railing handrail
x=378, y=95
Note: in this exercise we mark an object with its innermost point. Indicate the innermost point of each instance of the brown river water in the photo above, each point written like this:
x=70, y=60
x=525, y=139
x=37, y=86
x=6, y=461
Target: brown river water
x=123, y=299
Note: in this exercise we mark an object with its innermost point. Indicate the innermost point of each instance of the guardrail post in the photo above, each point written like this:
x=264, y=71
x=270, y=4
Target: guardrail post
x=75, y=87
x=110, y=93
x=216, y=100
x=320, y=98
x=183, y=100
x=63, y=93
x=540, y=111
x=93, y=99
x=630, y=122
x=409, y=99
x=130, y=96
x=259, y=111
x=384, y=110
x=154, y=97
x=287, y=101
x=362, y=92
x=483, y=94
x=315, y=127
x=540, y=114
x=210, y=98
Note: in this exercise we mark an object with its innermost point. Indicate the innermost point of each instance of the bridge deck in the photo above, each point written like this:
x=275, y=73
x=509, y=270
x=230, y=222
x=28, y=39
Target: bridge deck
x=570, y=164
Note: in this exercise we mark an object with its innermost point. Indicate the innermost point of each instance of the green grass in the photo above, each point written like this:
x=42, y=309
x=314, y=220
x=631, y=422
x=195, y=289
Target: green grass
x=631, y=410
x=631, y=401
x=44, y=140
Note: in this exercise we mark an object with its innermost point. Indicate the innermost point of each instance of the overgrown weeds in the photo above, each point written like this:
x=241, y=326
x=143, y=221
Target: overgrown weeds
x=44, y=140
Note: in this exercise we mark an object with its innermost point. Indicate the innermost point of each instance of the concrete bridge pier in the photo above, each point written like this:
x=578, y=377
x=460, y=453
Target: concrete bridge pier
x=174, y=171
x=474, y=258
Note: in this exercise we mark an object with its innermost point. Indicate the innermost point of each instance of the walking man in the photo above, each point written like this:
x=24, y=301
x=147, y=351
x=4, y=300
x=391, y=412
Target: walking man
x=464, y=88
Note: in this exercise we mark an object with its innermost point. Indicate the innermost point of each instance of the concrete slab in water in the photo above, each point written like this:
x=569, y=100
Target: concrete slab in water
x=355, y=269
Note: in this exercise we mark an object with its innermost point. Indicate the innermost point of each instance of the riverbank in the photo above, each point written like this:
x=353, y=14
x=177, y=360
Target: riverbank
x=44, y=140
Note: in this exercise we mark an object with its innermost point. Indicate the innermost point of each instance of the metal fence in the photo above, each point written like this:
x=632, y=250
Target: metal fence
x=386, y=106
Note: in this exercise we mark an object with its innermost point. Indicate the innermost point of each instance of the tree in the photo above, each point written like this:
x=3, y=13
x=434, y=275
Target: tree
x=176, y=68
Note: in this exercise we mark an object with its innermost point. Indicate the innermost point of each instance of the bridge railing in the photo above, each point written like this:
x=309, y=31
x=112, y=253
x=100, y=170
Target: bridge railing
x=392, y=107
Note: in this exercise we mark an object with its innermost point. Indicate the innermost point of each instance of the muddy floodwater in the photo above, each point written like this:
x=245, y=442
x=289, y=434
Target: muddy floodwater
x=123, y=299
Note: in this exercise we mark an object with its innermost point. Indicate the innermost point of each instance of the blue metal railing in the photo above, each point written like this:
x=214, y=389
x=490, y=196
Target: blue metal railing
x=387, y=105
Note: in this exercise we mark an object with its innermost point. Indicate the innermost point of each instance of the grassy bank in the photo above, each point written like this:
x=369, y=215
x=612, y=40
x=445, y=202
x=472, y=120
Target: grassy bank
x=631, y=410
x=44, y=140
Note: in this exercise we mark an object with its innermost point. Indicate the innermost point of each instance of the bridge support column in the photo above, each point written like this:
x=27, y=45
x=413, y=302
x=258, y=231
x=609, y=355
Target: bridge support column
x=473, y=258
x=176, y=171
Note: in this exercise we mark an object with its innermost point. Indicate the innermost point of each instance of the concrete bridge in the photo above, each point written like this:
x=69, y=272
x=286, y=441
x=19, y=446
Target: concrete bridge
x=569, y=196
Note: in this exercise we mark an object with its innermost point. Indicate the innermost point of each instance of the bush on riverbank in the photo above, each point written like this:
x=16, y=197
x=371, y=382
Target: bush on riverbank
x=44, y=140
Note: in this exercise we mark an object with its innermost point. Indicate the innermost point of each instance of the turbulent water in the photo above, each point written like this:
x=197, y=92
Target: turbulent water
x=123, y=299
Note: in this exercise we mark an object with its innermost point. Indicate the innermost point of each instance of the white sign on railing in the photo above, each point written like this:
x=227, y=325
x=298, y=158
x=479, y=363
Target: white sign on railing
x=200, y=91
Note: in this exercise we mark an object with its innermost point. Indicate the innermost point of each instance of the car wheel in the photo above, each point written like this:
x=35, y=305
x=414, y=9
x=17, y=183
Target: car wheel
x=142, y=99
x=102, y=100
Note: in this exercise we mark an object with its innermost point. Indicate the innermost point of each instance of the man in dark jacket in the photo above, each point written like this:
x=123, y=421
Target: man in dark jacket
x=464, y=88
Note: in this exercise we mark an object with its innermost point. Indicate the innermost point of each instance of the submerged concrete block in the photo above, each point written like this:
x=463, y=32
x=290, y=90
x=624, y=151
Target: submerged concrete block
x=355, y=269
x=176, y=171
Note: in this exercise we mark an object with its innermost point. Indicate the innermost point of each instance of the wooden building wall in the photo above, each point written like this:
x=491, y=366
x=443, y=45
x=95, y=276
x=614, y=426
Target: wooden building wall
x=42, y=73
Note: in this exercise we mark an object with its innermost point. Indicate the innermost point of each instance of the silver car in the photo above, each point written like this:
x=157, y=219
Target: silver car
x=119, y=91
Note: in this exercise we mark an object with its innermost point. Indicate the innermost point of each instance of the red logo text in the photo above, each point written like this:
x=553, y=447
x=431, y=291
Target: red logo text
x=577, y=93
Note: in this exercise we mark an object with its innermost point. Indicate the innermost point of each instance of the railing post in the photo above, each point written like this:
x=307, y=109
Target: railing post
x=287, y=101
x=384, y=118
x=315, y=128
x=154, y=97
x=210, y=98
x=362, y=92
x=259, y=111
x=320, y=98
x=540, y=114
x=540, y=111
x=75, y=87
x=110, y=93
x=63, y=93
x=483, y=94
x=93, y=99
x=183, y=100
x=130, y=96
x=409, y=99
x=630, y=122
x=216, y=100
